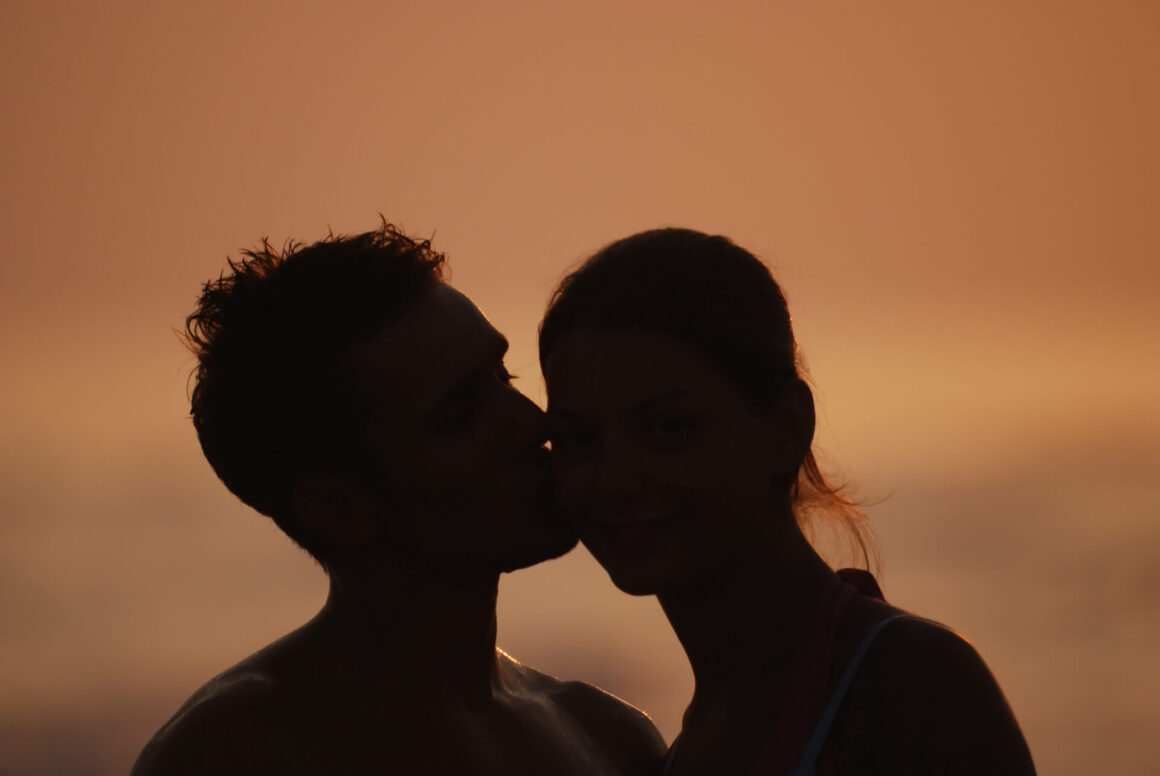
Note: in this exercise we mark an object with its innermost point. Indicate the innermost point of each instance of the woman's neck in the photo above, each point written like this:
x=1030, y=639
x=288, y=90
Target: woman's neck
x=743, y=630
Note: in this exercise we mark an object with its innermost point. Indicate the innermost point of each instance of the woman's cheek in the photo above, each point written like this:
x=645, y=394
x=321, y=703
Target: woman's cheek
x=569, y=490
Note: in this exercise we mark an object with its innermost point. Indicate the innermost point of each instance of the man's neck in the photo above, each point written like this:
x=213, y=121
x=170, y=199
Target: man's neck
x=406, y=624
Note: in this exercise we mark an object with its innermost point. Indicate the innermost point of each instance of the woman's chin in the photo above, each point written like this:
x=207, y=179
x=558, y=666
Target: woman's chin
x=641, y=576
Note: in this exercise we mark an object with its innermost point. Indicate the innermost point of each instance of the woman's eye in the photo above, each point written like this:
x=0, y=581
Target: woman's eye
x=668, y=427
x=567, y=441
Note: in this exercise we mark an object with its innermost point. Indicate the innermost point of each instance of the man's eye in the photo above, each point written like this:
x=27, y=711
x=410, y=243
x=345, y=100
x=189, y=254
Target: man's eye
x=456, y=416
x=504, y=376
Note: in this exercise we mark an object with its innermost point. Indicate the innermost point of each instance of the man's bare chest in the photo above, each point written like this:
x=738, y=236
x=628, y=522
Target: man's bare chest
x=384, y=734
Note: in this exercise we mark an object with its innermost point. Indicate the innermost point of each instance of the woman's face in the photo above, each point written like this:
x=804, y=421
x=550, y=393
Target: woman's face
x=664, y=468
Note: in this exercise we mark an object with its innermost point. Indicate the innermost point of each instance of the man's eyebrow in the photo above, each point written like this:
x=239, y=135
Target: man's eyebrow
x=465, y=386
x=496, y=351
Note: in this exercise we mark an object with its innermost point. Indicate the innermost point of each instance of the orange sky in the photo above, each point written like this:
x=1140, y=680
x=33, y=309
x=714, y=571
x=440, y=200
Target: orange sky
x=961, y=200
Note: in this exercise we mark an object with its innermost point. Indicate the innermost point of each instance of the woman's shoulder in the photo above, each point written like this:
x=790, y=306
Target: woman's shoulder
x=922, y=700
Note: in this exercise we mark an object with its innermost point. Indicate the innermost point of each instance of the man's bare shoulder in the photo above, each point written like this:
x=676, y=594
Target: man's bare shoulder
x=232, y=724
x=619, y=729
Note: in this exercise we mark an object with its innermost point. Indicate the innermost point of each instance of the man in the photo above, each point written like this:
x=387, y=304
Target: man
x=347, y=392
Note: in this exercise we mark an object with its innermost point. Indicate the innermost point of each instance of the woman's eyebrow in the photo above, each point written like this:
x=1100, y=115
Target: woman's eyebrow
x=640, y=407
x=651, y=402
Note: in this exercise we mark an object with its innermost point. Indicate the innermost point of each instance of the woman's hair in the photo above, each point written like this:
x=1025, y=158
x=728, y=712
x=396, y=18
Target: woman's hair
x=709, y=293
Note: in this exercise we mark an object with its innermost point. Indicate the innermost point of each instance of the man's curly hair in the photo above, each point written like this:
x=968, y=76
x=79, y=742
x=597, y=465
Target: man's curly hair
x=276, y=392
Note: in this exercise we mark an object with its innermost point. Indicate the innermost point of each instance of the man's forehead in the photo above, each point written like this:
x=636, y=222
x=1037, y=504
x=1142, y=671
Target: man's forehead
x=433, y=344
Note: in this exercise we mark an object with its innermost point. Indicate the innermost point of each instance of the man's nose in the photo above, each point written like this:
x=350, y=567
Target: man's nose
x=526, y=425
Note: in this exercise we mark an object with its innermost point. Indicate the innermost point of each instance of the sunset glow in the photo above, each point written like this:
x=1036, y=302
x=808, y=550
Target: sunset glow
x=960, y=199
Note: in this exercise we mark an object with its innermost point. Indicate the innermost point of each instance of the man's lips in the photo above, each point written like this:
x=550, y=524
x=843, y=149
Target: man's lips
x=540, y=456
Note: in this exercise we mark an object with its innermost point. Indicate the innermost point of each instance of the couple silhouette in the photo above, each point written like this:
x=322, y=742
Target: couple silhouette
x=346, y=391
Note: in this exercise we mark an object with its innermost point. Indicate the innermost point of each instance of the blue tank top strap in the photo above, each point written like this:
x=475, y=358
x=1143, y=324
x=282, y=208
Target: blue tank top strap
x=809, y=762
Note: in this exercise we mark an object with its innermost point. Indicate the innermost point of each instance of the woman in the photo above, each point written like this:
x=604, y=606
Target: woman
x=681, y=430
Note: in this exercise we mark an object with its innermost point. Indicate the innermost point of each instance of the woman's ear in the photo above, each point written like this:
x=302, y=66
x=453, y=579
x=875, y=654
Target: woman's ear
x=793, y=416
x=335, y=509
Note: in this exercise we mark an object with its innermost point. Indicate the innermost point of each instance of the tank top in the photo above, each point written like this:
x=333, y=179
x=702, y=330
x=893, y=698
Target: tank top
x=796, y=742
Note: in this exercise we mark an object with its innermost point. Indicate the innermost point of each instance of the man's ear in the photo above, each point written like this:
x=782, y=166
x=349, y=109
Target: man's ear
x=335, y=509
x=793, y=417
